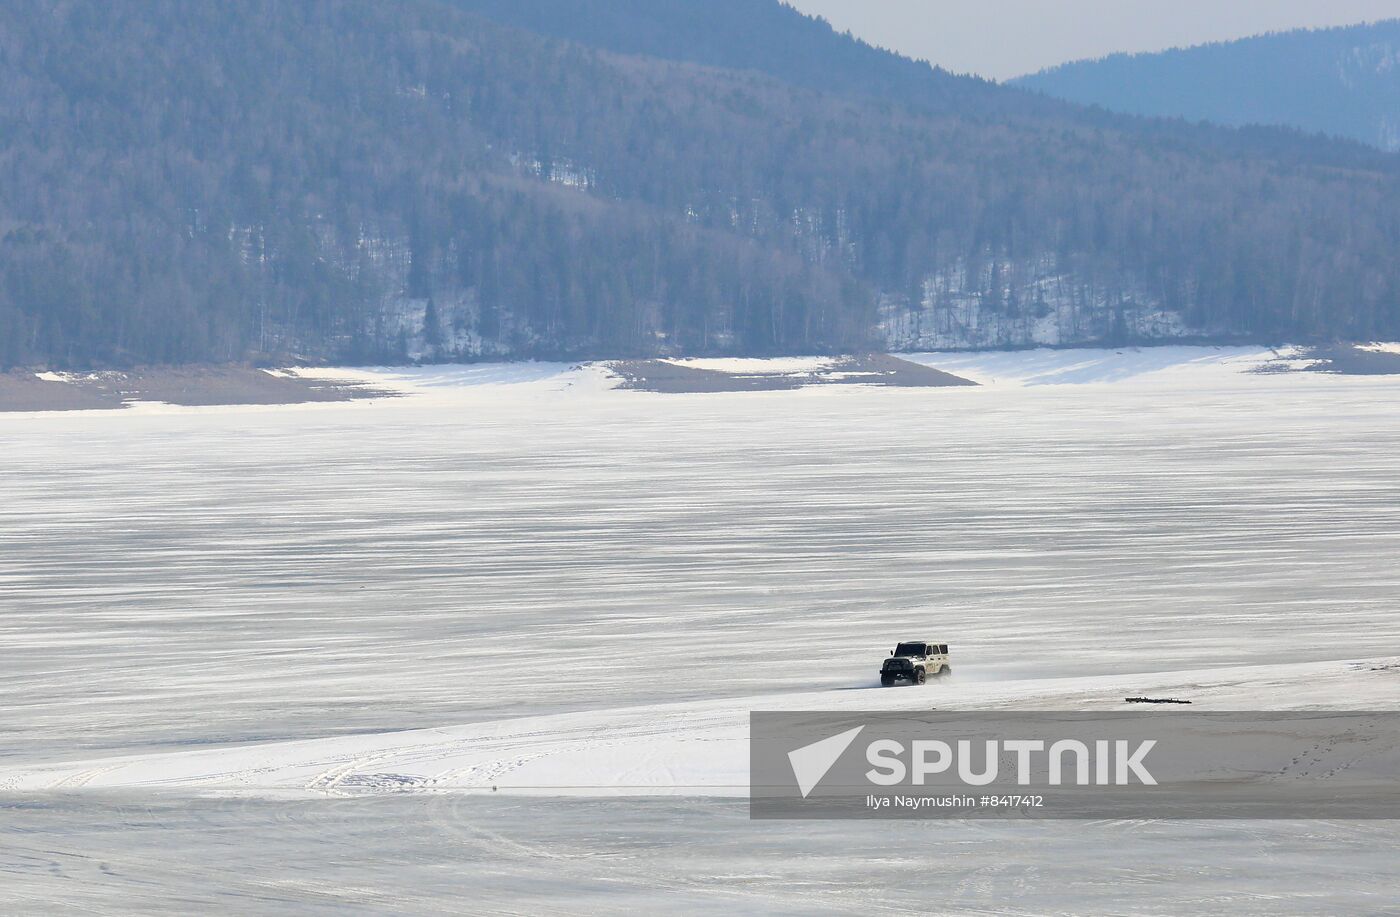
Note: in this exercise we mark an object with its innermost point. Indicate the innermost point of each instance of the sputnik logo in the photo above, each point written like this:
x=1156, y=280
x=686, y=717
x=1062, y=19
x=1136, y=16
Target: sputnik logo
x=811, y=762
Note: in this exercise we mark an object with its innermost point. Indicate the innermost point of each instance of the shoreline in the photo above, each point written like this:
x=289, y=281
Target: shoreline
x=210, y=385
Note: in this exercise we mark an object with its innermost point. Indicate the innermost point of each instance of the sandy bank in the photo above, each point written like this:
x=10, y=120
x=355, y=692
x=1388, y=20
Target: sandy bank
x=190, y=386
x=690, y=377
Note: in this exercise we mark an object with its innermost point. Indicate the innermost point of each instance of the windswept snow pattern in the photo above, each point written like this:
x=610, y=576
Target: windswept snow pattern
x=1179, y=366
x=696, y=749
x=248, y=647
x=177, y=576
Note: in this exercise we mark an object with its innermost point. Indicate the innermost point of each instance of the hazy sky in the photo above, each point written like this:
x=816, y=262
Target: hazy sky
x=1006, y=38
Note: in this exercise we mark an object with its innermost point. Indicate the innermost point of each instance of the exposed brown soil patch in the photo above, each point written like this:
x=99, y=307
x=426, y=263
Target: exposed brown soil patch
x=1346, y=360
x=191, y=385
x=863, y=369
x=1340, y=360
x=21, y=391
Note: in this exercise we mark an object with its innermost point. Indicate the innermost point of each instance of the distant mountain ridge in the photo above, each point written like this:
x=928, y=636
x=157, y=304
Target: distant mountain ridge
x=765, y=37
x=1339, y=81
x=777, y=40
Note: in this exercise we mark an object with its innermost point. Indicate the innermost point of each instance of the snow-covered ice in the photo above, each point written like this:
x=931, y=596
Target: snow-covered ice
x=1189, y=366
x=692, y=749
x=772, y=365
x=225, y=619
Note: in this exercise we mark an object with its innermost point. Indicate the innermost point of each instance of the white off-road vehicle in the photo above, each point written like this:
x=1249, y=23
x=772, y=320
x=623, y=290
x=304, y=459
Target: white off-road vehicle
x=914, y=661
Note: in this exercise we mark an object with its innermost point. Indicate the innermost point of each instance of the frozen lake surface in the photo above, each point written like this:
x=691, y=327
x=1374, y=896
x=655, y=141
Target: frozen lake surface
x=150, y=854
x=521, y=540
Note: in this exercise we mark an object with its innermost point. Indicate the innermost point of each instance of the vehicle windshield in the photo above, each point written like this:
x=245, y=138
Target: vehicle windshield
x=910, y=649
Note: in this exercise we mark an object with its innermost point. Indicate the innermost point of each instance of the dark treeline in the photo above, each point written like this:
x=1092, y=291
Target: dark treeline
x=188, y=180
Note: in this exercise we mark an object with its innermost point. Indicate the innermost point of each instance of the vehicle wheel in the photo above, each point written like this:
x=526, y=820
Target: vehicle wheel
x=919, y=676
x=886, y=681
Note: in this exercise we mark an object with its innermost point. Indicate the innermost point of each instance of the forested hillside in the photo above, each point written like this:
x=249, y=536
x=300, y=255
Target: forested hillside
x=1344, y=82
x=775, y=39
x=357, y=180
